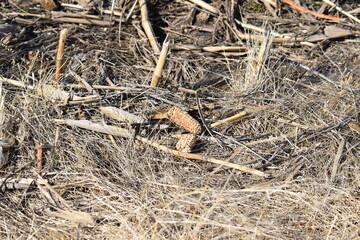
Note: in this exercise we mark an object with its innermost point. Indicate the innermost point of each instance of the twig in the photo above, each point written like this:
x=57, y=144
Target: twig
x=88, y=87
x=74, y=15
x=342, y=11
x=240, y=115
x=160, y=64
x=201, y=114
x=305, y=10
x=60, y=54
x=292, y=123
x=74, y=184
x=147, y=26
x=115, y=13
x=83, y=21
x=104, y=87
x=337, y=159
x=15, y=83
x=185, y=90
x=202, y=158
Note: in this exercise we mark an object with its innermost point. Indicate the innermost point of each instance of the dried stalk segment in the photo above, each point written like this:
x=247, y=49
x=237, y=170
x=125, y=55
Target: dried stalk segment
x=147, y=26
x=184, y=120
x=60, y=54
x=160, y=65
x=186, y=143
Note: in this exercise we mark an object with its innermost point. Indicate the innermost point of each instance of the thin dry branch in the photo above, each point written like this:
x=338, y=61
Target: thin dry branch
x=203, y=158
x=88, y=87
x=116, y=88
x=84, y=21
x=337, y=159
x=355, y=126
x=240, y=115
x=15, y=83
x=75, y=15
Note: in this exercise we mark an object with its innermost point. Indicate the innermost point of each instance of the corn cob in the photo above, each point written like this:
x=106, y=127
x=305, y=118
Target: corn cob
x=184, y=120
x=186, y=143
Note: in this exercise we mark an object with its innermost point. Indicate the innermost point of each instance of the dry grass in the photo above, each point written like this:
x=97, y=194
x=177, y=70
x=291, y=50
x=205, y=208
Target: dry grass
x=137, y=192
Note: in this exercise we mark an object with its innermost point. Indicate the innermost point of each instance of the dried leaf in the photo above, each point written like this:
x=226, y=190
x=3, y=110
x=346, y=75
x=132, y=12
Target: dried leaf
x=317, y=38
x=336, y=32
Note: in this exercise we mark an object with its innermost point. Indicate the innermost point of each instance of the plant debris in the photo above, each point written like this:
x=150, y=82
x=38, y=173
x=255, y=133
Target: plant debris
x=179, y=119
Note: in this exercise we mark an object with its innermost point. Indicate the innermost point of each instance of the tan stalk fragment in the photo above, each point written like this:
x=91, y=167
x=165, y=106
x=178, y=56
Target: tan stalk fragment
x=60, y=54
x=160, y=64
x=186, y=143
x=184, y=120
x=147, y=26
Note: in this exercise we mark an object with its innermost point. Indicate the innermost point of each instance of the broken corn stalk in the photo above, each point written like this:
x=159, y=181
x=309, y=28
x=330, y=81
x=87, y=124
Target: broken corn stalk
x=184, y=120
